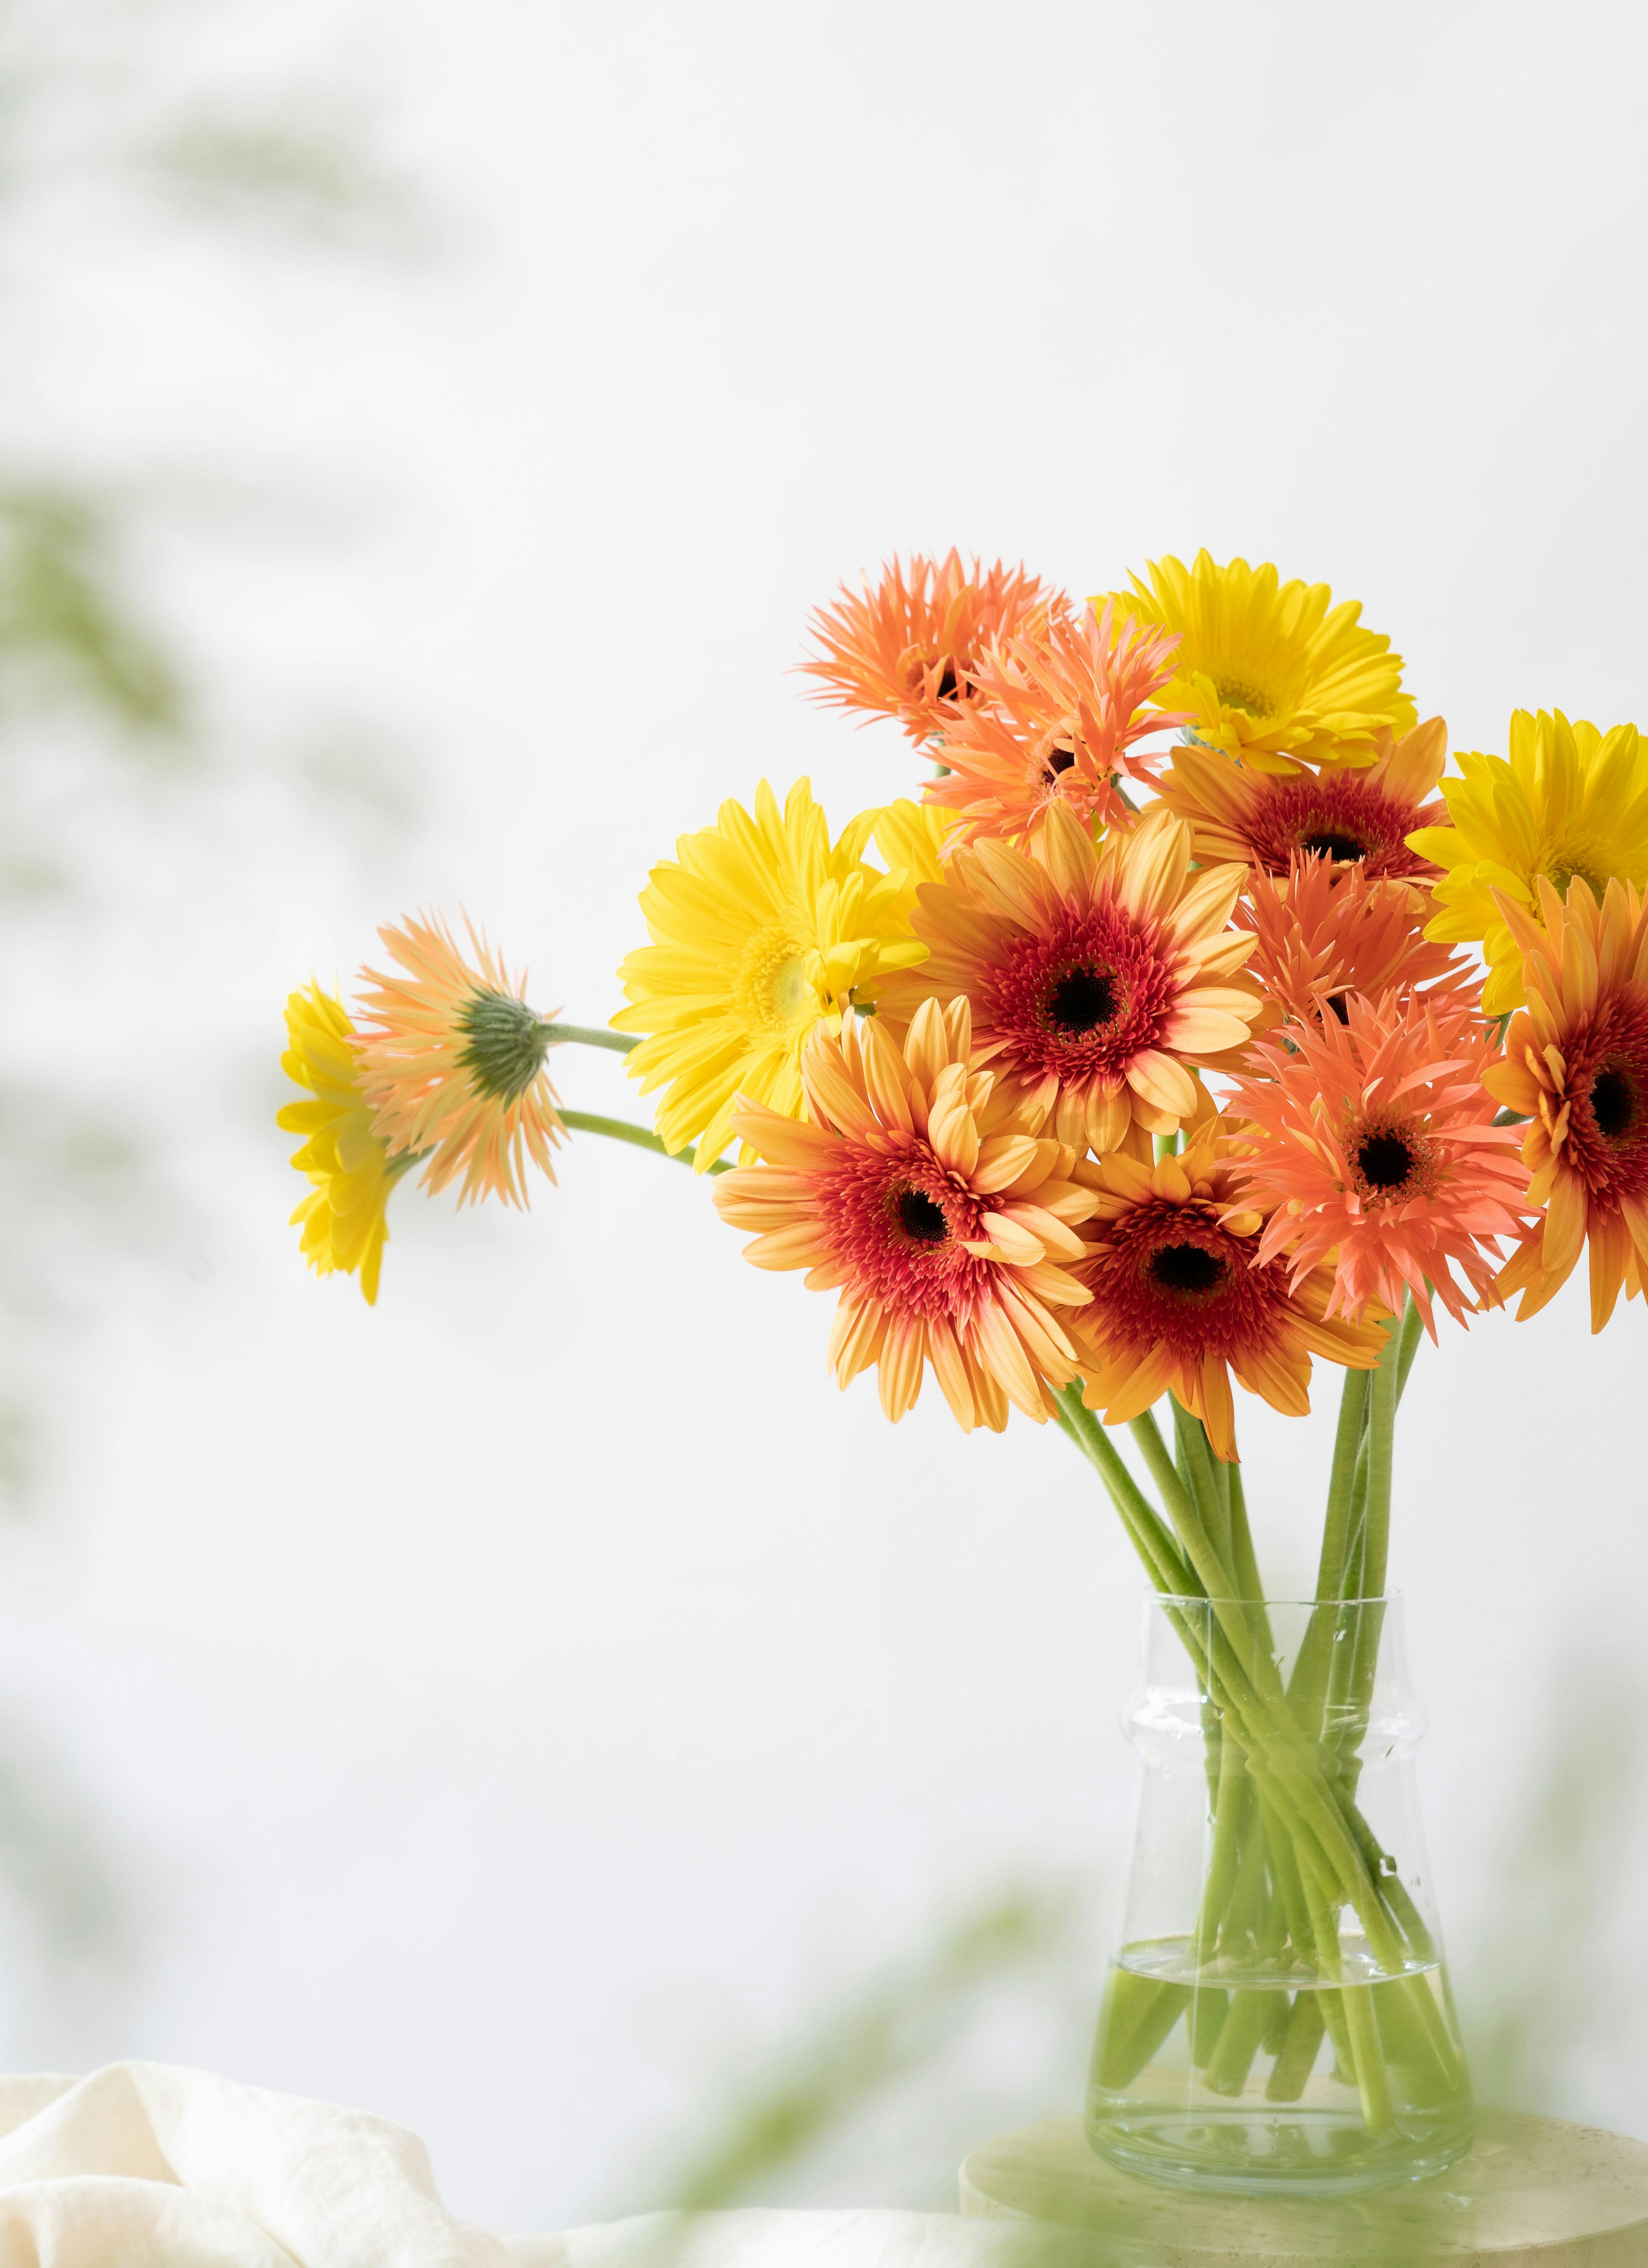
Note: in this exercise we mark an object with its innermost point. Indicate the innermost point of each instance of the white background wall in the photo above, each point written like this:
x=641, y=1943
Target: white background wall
x=519, y=1701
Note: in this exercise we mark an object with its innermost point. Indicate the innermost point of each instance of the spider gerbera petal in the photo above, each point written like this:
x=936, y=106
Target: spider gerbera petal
x=1372, y=1148
x=1569, y=804
x=912, y=647
x=939, y=1212
x=1182, y=1297
x=1097, y=978
x=1269, y=673
x=1324, y=933
x=1054, y=719
x=1576, y=1065
x=452, y=1065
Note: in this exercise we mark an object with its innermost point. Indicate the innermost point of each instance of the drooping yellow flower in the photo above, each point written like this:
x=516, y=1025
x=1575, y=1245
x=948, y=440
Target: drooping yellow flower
x=761, y=929
x=1576, y=1067
x=1571, y=805
x=1268, y=673
x=347, y=1164
x=453, y=1064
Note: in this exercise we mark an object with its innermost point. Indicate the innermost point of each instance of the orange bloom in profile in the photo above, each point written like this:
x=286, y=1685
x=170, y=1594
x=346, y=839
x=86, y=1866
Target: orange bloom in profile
x=1576, y=1065
x=932, y=1203
x=1181, y=1297
x=452, y=1065
x=913, y=646
x=1372, y=1147
x=1324, y=933
x=1355, y=813
x=1053, y=720
x=1097, y=978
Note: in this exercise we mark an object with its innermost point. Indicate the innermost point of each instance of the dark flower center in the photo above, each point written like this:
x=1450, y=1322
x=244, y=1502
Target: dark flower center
x=1186, y=1268
x=1613, y=1103
x=1338, y=1001
x=922, y=1220
x=1059, y=760
x=1333, y=846
x=951, y=684
x=1386, y=1162
x=1081, y=1000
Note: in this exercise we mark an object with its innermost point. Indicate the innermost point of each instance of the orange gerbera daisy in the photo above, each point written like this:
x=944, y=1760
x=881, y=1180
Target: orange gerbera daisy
x=1373, y=1146
x=1324, y=933
x=1181, y=1297
x=452, y=1062
x=1575, y=1064
x=1356, y=814
x=934, y=1204
x=1097, y=978
x=912, y=647
x=1054, y=721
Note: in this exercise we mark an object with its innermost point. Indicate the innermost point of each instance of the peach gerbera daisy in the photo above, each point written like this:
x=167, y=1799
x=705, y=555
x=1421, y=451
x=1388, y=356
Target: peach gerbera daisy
x=1576, y=1065
x=1324, y=934
x=1272, y=676
x=1357, y=815
x=1372, y=1145
x=451, y=1063
x=1181, y=1298
x=935, y=1206
x=912, y=647
x=1097, y=978
x=1054, y=721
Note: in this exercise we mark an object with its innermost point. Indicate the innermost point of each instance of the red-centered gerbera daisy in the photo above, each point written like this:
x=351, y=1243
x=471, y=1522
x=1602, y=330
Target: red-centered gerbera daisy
x=1355, y=814
x=1054, y=721
x=1097, y=979
x=1324, y=933
x=912, y=647
x=936, y=1207
x=452, y=1062
x=1372, y=1147
x=1575, y=1064
x=1181, y=1297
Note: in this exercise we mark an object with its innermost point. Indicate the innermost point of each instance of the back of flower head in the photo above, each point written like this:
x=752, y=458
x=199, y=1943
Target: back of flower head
x=445, y=1071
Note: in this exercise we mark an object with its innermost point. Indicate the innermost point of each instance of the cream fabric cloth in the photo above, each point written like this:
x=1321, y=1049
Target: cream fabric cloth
x=146, y=2165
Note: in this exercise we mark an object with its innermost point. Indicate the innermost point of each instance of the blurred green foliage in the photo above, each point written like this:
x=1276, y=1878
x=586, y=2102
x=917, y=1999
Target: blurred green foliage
x=69, y=625
x=877, y=2036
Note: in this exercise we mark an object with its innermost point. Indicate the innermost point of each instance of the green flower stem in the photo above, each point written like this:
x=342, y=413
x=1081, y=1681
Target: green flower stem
x=1194, y=1464
x=642, y=1138
x=1320, y=1853
x=586, y=1036
x=1412, y=1332
x=1145, y=1527
x=1307, y=1688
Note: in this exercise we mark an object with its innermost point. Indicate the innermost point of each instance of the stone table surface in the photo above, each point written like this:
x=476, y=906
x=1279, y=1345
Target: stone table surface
x=1534, y=2193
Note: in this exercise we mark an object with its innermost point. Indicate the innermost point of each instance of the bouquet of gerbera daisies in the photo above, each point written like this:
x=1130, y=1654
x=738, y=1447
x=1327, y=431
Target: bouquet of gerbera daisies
x=1183, y=1024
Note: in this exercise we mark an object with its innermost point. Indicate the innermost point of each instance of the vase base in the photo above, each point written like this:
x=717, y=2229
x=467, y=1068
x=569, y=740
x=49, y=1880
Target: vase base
x=1249, y=2151
x=1532, y=2193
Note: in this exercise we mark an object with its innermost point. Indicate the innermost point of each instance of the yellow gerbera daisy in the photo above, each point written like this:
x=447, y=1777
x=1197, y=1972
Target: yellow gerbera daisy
x=760, y=930
x=1268, y=673
x=350, y=1166
x=1571, y=805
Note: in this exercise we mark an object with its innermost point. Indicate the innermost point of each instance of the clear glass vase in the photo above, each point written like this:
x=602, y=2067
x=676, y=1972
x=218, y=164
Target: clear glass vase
x=1279, y=2017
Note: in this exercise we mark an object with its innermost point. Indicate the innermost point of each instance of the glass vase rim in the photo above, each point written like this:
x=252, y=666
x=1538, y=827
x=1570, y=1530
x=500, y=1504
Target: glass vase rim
x=1268, y=1599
